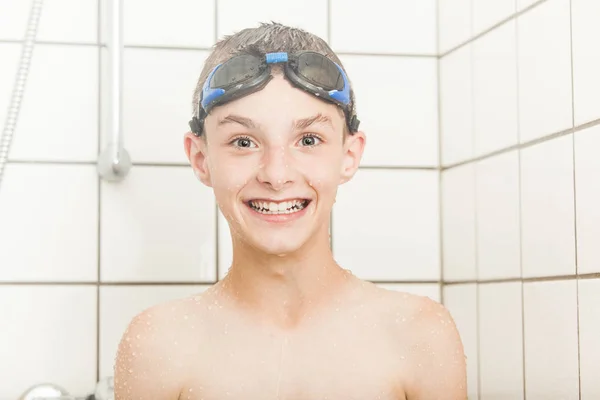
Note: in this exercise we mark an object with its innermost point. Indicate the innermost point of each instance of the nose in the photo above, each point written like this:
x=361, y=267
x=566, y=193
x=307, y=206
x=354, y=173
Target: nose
x=274, y=169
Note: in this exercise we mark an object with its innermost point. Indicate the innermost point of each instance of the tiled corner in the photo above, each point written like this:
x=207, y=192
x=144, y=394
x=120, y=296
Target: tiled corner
x=551, y=370
x=431, y=290
x=402, y=131
x=406, y=246
x=547, y=208
x=48, y=335
x=59, y=121
x=456, y=109
x=587, y=166
x=544, y=55
x=495, y=90
x=157, y=225
x=381, y=26
x=487, y=13
x=49, y=229
x=234, y=15
x=157, y=102
x=458, y=223
x=118, y=306
x=225, y=246
x=176, y=23
x=497, y=194
x=586, y=60
x=454, y=23
x=461, y=302
x=500, y=341
x=82, y=17
x=589, y=332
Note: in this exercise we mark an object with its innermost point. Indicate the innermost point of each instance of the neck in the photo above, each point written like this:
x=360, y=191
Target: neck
x=285, y=289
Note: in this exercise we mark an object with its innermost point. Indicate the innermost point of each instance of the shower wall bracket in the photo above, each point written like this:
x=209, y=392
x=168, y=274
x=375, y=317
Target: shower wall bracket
x=114, y=162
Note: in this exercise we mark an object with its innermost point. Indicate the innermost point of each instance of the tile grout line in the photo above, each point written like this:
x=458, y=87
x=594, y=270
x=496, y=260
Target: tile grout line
x=99, y=189
x=184, y=283
x=519, y=191
x=575, y=197
x=492, y=28
x=475, y=202
x=208, y=49
x=439, y=155
x=525, y=145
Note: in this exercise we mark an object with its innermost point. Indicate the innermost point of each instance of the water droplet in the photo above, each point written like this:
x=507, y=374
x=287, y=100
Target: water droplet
x=185, y=317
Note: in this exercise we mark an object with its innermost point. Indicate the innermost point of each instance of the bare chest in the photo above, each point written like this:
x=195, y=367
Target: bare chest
x=350, y=361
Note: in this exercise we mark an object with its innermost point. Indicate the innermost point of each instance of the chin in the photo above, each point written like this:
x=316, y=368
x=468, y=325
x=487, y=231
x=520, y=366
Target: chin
x=277, y=244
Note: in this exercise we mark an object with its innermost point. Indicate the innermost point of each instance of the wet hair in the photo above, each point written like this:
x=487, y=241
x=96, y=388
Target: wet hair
x=266, y=38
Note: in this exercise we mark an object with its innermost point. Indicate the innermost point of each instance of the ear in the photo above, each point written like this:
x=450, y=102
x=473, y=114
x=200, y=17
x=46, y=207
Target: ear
x=196, y=152
x=353, y=151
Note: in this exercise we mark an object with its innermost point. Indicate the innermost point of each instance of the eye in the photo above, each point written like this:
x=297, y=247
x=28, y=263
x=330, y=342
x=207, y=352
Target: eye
x=309, y=140
x=243, y=142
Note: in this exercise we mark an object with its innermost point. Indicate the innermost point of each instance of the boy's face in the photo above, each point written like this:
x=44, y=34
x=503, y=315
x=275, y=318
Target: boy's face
x=279, y=145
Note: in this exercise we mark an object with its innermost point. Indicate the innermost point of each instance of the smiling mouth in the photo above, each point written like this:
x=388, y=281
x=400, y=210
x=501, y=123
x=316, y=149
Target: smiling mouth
x=276, y=208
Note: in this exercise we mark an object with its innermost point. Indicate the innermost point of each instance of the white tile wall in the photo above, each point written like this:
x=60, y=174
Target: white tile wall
x=547, y=208
x=551, y=340
x=381, y=26
x=498, y=221
x=461, y=302
x=82, y=26
x=119, y=304
x=48, y=335
x=456, y=109
x=455, y=23
x=500, y=341
x=235, y=15
x=157, y=102
x=399, y=118
x=487, y=13
x=495, y=90
x=586, y=59
x=182, y=23
x=59, y=115
x=522, y=4
x=587, y=166
x=158, y=225
x=544, y=56
x=49, y=229
x=406, y=247
x=458, y=223
x=589, y=332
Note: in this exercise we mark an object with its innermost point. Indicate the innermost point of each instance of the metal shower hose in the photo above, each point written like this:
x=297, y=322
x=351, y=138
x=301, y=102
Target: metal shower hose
x=19, y=88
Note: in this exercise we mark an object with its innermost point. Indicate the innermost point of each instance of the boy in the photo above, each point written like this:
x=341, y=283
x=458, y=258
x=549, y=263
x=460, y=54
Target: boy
x=274, y=133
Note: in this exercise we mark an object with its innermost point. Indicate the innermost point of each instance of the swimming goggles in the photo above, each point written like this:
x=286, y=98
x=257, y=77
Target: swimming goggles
x=247, y=73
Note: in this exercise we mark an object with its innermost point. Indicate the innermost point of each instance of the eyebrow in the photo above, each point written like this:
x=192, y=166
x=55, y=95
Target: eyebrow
x=238, y=119
x=316, y=119
x=299, y=124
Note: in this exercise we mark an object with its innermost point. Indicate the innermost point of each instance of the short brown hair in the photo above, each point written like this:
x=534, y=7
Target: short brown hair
x=266, y=38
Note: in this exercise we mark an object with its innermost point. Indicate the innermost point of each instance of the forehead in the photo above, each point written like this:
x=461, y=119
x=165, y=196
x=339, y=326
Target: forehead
x=279, y=102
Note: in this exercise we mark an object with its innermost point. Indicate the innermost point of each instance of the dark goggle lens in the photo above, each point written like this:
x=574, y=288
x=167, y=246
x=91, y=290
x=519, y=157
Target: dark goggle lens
x=237, y=70
x=320, y=71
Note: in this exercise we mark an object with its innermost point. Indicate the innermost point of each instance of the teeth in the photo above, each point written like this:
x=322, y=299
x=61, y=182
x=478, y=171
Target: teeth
x=285, y=207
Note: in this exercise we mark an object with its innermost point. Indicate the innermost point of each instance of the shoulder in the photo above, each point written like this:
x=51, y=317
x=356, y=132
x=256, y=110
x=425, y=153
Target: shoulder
x=433, y=348
x=152, y=355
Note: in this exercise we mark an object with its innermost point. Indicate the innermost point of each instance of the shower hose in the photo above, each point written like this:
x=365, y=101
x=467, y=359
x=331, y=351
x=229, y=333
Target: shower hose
x=14, y=107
